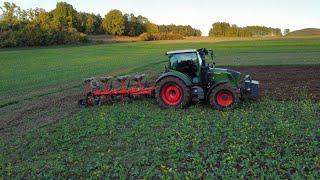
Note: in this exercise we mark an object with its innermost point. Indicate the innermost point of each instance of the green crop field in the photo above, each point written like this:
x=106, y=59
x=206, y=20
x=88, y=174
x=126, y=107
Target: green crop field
x=35, y=69
x=269, y=138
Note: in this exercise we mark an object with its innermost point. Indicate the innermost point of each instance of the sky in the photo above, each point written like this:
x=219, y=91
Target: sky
x=201, y=14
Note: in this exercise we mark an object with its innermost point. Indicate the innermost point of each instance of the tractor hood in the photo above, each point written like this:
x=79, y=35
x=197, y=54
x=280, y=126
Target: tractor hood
x=221, y=74
x=233, y=73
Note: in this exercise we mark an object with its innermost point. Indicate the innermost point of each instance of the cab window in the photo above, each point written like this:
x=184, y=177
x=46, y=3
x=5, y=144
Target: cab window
x=187, y=63
x=178, y=58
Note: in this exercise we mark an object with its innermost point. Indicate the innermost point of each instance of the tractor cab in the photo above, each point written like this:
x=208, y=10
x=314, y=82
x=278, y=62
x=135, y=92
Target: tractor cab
x=190, y=62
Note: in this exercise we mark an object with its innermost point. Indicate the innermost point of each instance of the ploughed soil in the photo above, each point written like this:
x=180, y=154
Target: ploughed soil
x=278, y=82
x=286, y=82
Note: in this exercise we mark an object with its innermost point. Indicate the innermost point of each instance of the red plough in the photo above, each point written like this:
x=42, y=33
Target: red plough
x=101, y=92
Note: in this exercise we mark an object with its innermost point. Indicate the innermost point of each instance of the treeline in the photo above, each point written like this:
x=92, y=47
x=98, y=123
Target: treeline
x=223, y=29
x=36, y=27
x=169, y=32
x=65, y=25
x=181, y=30
x=130, y=25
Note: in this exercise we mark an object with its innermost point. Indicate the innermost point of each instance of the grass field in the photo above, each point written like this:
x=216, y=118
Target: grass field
x=29, y=70
x=270, y=139
x=267, y=139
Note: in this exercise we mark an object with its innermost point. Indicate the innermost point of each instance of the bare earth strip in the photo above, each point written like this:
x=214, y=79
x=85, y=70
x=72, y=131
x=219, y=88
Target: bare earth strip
x=286, y=82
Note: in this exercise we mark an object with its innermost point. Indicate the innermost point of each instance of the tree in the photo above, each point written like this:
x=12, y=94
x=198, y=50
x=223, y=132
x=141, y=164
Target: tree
x=98, y=29
x=135, y=25
x=90, y=23
x=219, y=29
x=141, y=25
x=83, y=17
x=10, y=16
x=65, y=16
x=286, y=31
x=89, y=27
x=44, y=19
x=113, y=23
x=152, y=28
x=130, y=23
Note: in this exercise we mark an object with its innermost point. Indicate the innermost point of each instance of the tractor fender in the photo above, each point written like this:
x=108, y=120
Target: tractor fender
x=176, y=74
x=214, y=85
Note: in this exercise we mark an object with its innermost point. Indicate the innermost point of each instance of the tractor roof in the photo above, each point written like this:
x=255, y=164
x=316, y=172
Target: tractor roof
x=181, y=51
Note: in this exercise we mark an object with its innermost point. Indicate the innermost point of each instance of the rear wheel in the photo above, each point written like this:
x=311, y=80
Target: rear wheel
x=172, y=92
x=224, y=97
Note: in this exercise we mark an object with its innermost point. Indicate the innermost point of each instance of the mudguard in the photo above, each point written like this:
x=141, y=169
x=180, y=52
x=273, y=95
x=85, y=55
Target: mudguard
x=216, y=84
x=177, y=74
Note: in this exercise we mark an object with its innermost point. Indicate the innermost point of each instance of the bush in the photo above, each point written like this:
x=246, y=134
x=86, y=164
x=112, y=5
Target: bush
x=159, y=36
x=33, y=35
x=145, y=37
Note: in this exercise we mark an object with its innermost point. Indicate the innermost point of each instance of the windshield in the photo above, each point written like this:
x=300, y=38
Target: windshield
x=175, y=59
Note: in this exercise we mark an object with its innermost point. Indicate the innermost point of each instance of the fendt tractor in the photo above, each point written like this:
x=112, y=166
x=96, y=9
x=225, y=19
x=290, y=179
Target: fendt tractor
x=187, y=78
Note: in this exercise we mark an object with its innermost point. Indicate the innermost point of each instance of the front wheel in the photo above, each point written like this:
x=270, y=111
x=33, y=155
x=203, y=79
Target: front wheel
x=224, y=97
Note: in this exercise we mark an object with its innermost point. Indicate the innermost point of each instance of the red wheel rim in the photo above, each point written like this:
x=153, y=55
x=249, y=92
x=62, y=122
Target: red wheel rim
x=171, y=94
x=224, y=98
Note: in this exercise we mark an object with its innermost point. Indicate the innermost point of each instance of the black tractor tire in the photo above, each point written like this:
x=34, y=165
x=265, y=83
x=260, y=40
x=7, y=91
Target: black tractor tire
x=171, y=92
x=224, y=97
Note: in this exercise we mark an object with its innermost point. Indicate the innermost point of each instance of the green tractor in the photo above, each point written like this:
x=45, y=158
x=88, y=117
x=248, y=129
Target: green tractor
x=188, y=78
